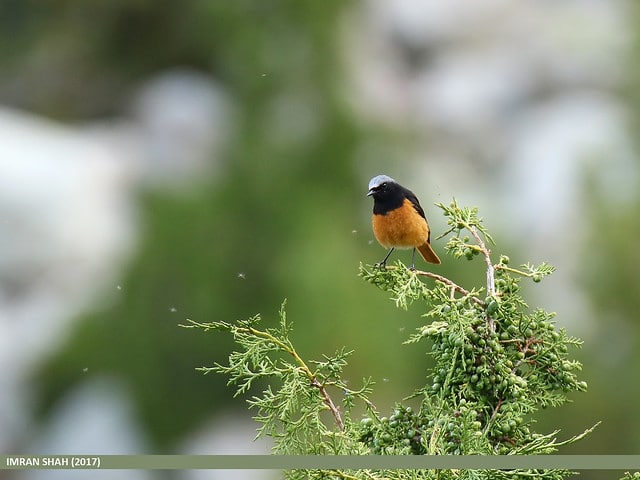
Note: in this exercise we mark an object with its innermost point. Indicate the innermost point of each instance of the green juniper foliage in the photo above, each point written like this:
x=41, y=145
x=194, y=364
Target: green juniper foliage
x=496, y=363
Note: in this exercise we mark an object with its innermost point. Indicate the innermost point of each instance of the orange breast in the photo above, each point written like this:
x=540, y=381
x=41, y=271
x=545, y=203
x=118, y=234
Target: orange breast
x=401, y=228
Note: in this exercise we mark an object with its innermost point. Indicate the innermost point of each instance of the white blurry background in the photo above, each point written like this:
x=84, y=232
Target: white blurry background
x=508, y=106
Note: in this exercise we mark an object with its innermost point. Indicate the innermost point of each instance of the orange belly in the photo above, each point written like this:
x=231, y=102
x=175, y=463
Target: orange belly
x=401, y=228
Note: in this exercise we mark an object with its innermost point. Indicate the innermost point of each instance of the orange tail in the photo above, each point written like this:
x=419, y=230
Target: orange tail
x=428, y=254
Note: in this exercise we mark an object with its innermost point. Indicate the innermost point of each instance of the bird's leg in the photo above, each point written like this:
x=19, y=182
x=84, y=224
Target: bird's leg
x=413, y=257
x=383, y=263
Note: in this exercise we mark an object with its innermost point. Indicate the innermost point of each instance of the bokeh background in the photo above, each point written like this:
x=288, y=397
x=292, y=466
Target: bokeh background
x=206, y=159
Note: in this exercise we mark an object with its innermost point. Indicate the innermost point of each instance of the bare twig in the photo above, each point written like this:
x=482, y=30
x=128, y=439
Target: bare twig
x=486, y=253
x=452, y=284
x=328, y=402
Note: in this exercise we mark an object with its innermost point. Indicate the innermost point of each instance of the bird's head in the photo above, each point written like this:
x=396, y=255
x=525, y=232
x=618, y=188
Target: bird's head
x=380, y=186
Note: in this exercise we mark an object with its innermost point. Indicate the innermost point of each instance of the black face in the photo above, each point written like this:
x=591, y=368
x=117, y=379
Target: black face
x=383, y=190
x=387, y=196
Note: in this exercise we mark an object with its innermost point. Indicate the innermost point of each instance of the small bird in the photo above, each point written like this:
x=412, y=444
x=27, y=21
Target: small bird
x=398, y=219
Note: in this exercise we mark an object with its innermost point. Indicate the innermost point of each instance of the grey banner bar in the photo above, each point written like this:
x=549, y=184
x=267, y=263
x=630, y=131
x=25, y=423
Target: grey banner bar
x=313, y=462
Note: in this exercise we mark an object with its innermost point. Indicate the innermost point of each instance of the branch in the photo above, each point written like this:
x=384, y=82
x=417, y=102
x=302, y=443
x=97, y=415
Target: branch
x=467, y=219
x=494, y=413
x=326, y=398
x=486, y=253
x=491, y=280
x=452, y=284
x=328, y=402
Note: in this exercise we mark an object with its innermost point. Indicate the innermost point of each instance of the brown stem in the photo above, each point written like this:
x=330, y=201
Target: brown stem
x=328, y=402
x=495, y=411
x=453, y=285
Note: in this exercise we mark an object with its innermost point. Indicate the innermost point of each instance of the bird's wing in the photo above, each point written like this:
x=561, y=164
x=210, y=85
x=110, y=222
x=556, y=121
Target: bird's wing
x=416, y=204
x=414, y=201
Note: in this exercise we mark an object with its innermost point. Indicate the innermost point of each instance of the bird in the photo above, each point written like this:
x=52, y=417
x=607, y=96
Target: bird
x=398, y=220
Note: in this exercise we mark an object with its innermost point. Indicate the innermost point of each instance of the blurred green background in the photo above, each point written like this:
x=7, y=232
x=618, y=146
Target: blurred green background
x=284, y=213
